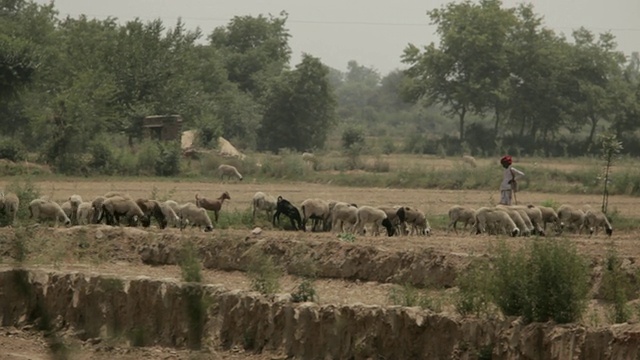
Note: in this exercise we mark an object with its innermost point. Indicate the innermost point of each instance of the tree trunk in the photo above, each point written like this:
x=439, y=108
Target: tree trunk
x=496, y=126
x=462, y=114
x=592, y=133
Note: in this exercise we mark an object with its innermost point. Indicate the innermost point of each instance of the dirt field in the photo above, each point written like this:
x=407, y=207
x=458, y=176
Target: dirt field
x=21, y=343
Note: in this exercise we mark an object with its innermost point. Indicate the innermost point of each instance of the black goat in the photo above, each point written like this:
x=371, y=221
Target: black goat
x=283, y=206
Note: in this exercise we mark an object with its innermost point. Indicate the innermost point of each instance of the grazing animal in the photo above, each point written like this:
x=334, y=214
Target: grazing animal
x=213, y=205
x=9, y=204
x=151, y=208
x=85, y=213
x=497, y=219
x=229, y=171
x=549, y=215
x=42, y=209
x=417, y=220
x=595, y=219
x=284, y=206
x=117, y=206
x=169, y=213
x=396, y=216
x=195, y=216
x=70, y=208
x=342, y=213
x=571, y=217
x=462, y=214
x=517, y=218
x=368, y=214
x=318, y=211
x=263, y=202
x=96, y=204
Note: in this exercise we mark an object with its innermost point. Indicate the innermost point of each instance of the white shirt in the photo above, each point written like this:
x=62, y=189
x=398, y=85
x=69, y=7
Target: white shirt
x=509, y=174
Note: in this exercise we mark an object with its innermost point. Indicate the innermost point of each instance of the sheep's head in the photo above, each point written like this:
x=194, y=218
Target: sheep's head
x=390, y=229
x=208, y=228
x=515, y=232
x=225, y=195
x=609, y=230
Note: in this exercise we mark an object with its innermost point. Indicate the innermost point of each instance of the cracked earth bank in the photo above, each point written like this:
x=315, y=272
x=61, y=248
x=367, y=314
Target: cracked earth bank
x=98, y=292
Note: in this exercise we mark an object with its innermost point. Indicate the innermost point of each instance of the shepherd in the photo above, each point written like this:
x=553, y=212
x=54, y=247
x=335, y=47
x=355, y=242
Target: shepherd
x=509, y=185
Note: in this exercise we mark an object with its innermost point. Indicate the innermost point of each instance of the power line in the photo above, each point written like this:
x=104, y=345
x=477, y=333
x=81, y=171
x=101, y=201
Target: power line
x=335, y=22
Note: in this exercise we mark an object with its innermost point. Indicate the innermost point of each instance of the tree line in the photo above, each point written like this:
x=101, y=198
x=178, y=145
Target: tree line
x=71, y=89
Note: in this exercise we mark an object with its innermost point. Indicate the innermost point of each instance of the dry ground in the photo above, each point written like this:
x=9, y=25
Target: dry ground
x=20, y=344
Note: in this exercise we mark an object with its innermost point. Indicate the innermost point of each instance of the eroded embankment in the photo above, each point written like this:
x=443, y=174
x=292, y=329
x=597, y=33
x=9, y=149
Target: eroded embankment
x=329, y=259
x=155, y=312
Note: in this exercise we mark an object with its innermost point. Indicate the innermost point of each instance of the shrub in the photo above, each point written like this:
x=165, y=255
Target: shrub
x=474, y=295
x=189, y=263
x=147, y=157
x=264, y=274
x=407, y=295
x=168, y=161
x=12, y=149
x=547, y=279
x=305, y=292
x=616, y=287
x=102, y=158
x=352, y=137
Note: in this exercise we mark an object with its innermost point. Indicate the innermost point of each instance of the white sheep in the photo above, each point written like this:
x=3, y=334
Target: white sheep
x=84, y=213
x=549, y=215
x=96, y=204
x=460, y=213
x=9, y=204
x=518, y=218
x=496, y=218
x=375, y=216
x=417, y=220
x=341, y=213
x=571, y=217
x=229, y=171
x=317, y=210
x=115, y=207
x=41, y=209
x=535, y=215
x=191, y=214
x=263, y=202
x=396, y=216
x=595, y=219
x=170, y=214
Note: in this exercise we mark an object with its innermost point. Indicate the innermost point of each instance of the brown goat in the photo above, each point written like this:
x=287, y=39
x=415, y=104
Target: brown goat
x=213, y=205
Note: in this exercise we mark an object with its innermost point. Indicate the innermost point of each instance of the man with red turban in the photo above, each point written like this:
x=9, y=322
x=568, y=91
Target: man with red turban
x=509, y=184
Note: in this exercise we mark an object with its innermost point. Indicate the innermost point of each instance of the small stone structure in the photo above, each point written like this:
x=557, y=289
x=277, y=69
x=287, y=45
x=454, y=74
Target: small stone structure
x=163, y=127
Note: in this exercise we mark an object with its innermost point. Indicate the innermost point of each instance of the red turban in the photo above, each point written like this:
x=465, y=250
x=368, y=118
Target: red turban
x=506, y=160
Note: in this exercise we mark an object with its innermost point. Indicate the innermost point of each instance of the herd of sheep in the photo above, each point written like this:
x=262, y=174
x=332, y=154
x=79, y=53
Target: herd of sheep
x=315, y=214
x=519, y=220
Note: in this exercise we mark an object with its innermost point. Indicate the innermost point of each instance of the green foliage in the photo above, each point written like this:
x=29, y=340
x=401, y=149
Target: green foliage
x=347, y=237
x=305, y=292
x=12, y=149
x=103, y=160
x=546, y=280
x=616, y=287
x=300, y=109
x=148, y=155
x=168, y=161
x=263, y=272
x=611, y=148
x=189, y=263
x=407, y=295
x=352, y=137
x=474, y=295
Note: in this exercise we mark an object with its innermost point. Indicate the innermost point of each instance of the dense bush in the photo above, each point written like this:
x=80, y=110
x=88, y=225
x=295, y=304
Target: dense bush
x=12, y=149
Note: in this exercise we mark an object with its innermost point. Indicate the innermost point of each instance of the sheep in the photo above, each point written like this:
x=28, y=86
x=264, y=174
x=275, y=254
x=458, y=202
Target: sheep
x=229, y=171
x=571, y=217
x=517, y=218
x=284, y=206
x=470, y=160
x=70, y=208
x=195, y=216
x=396, y=216
x=169, y=212
x=595, y=219
x=152, y=208
x=418, y=221
x=117, y=193
x=263, y=202
x=318, y=211
x=96, y=204
x=308, y=157
x=42, y=209
x=85, y=213
x=549, y=215
x=368, y=214
x=115, y=207
x=535, y=216
x=9, y=204
x=460, y=213
x=341, y=213
x=213, y=205
x=485, y=217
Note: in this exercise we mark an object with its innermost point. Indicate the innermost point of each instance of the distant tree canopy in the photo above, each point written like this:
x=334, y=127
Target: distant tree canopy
x=501, y=62
x=504, y=81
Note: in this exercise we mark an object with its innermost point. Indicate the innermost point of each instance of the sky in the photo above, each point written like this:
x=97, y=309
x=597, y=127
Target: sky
x=372, y=32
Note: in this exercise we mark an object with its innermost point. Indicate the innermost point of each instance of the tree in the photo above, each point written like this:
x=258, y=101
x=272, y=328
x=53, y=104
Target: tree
x=467, y=72
x=300, y=110
x=255, y=49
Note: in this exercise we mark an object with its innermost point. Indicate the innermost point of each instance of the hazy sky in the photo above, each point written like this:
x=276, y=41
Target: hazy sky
x=372, y=32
